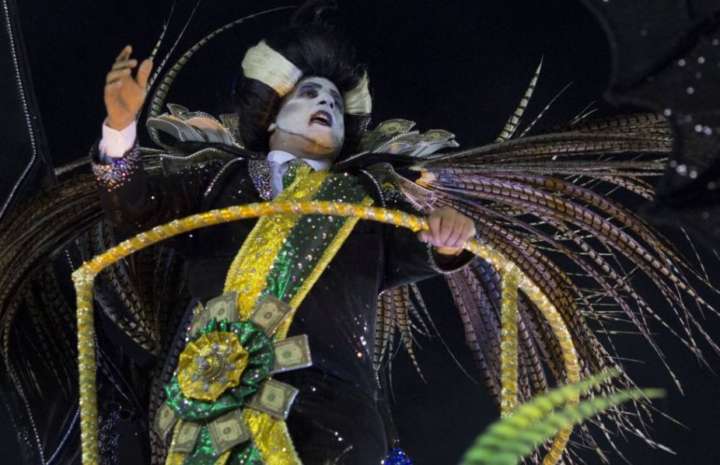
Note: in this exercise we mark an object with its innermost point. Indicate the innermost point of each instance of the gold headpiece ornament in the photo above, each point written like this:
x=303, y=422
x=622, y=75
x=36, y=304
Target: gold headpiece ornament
x=357, y=99
x=267, y=65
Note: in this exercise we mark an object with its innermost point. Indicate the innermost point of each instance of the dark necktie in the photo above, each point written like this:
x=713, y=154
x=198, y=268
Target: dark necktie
x=295, y=168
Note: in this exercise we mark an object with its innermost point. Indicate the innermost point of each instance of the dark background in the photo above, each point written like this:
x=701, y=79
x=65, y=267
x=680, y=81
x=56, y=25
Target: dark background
x=460, y=66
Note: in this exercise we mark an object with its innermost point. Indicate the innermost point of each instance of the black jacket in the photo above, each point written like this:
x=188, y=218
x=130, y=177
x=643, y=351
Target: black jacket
x=339, y=392
x=338, y=314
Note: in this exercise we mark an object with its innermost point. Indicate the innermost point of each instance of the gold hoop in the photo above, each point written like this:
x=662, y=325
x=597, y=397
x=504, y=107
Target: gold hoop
x=513, y=279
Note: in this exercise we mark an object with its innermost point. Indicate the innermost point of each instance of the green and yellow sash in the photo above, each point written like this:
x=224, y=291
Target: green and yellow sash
x=283, y=257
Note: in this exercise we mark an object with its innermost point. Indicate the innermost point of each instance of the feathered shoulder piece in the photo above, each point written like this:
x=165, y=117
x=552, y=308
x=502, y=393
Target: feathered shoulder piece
x=180, y=128
x=398, y=137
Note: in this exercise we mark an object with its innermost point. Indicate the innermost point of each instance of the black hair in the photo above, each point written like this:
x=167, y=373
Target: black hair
x=316, y=50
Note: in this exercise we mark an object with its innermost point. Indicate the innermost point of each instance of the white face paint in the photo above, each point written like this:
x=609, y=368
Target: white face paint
x=310, y=120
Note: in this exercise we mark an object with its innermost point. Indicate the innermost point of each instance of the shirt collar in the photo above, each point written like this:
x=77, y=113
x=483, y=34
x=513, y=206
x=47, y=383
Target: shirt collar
x=279, y=157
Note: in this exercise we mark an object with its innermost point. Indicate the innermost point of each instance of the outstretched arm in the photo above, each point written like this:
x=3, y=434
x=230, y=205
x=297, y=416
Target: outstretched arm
x=132, y=199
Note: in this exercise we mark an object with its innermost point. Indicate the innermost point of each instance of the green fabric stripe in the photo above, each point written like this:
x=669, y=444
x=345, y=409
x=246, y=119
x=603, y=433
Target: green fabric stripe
x=310, y=237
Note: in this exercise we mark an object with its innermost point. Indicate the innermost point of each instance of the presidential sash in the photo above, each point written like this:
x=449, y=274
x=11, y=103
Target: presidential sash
x=223, y=407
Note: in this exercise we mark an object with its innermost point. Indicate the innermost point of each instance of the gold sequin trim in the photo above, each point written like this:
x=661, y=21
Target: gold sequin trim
x=509, y=343
x=249, y=269
x=84, y=276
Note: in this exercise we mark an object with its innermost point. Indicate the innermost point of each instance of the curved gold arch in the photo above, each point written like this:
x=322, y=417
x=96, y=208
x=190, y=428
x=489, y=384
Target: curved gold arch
x=513, y=279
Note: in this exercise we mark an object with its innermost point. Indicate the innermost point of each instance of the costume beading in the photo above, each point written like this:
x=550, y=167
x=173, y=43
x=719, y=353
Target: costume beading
x=173, y=356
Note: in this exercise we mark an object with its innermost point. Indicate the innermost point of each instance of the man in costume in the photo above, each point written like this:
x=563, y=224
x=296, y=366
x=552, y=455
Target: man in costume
x=546, y=202
x=293, y=99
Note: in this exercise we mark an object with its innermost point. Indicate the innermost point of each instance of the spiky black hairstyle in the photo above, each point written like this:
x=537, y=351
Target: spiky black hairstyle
x=315, y=49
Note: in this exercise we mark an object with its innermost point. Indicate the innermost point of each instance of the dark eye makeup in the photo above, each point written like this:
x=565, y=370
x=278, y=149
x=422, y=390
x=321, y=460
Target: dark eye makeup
x=310, y=90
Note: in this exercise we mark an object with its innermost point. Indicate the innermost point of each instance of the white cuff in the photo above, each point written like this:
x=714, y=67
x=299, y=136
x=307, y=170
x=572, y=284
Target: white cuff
x=115, y=143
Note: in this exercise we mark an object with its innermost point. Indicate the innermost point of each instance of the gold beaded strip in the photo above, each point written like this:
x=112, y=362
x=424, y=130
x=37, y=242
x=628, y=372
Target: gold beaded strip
x=509, y=342
x=557, y=325
x=570, y=358
x=84, y=277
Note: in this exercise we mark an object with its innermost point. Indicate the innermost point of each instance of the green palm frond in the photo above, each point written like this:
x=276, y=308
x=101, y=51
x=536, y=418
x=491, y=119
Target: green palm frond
x=509, y=440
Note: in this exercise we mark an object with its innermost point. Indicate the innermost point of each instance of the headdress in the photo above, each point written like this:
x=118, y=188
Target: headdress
x=273, y=67
x=265, y=64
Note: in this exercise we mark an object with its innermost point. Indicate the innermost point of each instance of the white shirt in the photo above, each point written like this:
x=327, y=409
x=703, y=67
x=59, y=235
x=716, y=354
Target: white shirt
x=115, y=143
x=280, y=161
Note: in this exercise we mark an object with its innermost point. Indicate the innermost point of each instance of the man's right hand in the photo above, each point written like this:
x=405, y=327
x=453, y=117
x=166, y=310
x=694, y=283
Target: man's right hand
x=124, y=94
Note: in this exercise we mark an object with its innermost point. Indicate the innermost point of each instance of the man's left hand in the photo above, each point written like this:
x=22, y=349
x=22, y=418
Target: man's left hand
x=449, y=231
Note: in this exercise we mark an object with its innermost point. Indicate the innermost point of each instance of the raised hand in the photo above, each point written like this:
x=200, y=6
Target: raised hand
x=124, y=94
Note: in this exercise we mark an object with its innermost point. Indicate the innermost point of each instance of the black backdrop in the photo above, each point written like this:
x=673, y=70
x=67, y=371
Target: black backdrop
x=457, y=65
x=25, y=153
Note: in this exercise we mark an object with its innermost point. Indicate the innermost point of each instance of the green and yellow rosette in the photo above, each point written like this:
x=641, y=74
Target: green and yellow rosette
x=225, y=369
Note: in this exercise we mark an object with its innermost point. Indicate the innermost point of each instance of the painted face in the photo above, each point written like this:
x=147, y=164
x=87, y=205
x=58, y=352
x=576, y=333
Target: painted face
x=311, y=119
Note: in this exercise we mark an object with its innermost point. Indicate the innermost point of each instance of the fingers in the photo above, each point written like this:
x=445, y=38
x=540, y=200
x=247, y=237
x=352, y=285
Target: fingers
x=144, y=72
x=121, y=68
x=441, y=226
x=124, y=53
x=467, y=233
x=124, y=64
x=463, y=229
x=434, y=223
x=448, y=228
x=452, y=231
x=447, y=222
x=455, y=237
x=117, y=75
